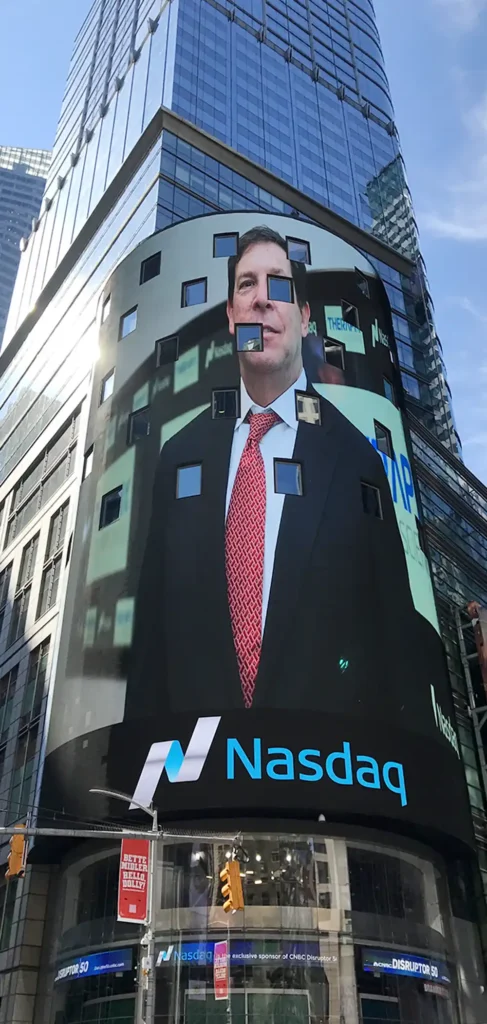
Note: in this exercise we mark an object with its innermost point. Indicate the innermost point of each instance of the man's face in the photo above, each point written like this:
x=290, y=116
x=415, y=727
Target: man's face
x=284, y=323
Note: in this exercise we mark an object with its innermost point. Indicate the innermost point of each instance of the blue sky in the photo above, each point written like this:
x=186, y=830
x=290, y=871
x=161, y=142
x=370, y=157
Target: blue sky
x=435, y=57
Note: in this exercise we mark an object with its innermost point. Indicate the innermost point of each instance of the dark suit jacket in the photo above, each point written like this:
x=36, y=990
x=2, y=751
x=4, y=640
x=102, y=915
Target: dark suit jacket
x=340, y=589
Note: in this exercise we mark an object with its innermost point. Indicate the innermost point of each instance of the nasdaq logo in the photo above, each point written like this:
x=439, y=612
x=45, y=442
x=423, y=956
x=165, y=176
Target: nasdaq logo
x=378, y=335
x=164, y=956
x=308, y=765
x=179, y=766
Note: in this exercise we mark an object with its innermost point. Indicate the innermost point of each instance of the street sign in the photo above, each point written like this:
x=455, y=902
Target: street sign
x=220, y=970
x=133, y=881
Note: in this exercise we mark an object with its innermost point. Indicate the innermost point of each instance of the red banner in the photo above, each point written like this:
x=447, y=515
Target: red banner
x=220, y=970
x=133, y=880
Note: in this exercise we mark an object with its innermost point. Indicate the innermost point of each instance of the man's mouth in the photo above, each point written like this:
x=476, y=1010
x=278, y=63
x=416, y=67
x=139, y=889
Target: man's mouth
x=269, y=330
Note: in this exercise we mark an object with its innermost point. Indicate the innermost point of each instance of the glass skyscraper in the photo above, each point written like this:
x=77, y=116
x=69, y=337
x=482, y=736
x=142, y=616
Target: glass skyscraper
x=298, y=86
x=175, y=109
x=23, y=175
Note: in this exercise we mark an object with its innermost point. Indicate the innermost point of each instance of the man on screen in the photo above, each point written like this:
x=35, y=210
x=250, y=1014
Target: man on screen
x=278, y=577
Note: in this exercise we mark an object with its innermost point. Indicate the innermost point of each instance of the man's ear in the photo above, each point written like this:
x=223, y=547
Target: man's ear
x=305, y=315
x=231, y=321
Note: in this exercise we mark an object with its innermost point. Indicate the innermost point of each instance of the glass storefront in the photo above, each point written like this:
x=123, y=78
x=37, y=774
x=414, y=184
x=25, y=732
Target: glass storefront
x=334, y=930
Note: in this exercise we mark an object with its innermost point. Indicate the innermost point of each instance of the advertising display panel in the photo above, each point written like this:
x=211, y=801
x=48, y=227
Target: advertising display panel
x=250, y=622
x=133, y=880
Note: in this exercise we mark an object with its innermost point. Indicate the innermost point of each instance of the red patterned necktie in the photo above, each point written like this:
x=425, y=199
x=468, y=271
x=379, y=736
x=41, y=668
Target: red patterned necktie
x=244, y=553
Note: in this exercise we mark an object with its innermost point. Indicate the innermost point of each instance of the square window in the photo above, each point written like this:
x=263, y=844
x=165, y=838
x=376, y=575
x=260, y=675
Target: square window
x=106, y=390
x=138, y=425
x=194, y=292
x=371, y=501
x=389, y=390
x=288, y=477
x=308, y=409
x=225, y=245
x=88, y=463
x=128, y=323
x=167, y=350
x=350, y=314
x=149, y=268
x=225, y=403
x=188, y=481
x=383, y=437
x=298, y=250
x=249, y=337
x=334, y=353
x=280, y=289
x=362, y=283
x=105, y=309
x=110, y=507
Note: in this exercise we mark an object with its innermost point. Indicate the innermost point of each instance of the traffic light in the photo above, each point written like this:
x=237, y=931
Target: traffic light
x=232, y=891
x=17, y=857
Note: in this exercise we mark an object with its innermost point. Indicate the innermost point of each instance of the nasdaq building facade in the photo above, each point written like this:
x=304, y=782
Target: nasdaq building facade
x=227, y=188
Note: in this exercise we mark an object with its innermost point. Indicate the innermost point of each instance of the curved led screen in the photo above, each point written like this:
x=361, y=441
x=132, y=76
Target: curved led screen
x=250, y=621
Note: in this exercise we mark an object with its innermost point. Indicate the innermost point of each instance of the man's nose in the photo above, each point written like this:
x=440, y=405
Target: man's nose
x=261, y=299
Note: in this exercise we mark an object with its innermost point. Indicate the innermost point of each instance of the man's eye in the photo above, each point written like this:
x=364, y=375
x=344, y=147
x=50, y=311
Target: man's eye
x=245, y=283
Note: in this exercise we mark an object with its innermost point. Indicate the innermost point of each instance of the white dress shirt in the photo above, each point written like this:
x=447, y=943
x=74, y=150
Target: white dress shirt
x=278, y=443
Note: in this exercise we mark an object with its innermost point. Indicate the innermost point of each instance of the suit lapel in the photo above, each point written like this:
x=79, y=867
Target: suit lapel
x=301, y=516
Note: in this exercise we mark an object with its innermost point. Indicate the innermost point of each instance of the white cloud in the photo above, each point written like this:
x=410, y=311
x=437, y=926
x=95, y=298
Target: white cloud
x=473, y=309
x=463, y=13
x=480, y=438
x=464, y=218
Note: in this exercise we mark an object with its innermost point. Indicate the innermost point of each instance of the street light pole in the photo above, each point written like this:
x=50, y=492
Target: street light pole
x=146, y=975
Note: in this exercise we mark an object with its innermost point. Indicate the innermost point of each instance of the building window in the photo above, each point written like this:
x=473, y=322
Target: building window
x=44, y=478
x=128, y=323
x=188, y=481
x=138, y=425
x=19, y=616
x=421, y=539
x=280, y=289
x=350, y=314
x=105, y=309
x=27, y=564
x=22, y=785
x=149, y=268
x=5, y=577
x=249, y=337
x=106, y=390
x=288, y=477
x=362, y=283
x=308, y=408
x=389, y=390
x=8, y=893
x=35, y=684
x=298, y=250
x=383, y=437
x=22, y=594
x=110, y=507
x=53, y=561
x=225, y=403
x=225, y=245
x=371, y=500
x=193, y=293
x=88, y=463
x=334, y=353
x=8, y=683
x=167, y=350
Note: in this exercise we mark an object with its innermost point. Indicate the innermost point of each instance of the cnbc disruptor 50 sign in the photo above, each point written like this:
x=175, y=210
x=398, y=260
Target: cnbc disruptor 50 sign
x=341, y=766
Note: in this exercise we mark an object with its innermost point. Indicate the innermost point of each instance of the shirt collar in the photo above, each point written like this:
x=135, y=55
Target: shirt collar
x=284, y=406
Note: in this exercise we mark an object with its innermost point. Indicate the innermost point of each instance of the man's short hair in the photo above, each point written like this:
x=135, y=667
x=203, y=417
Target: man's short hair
x=259, y=235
